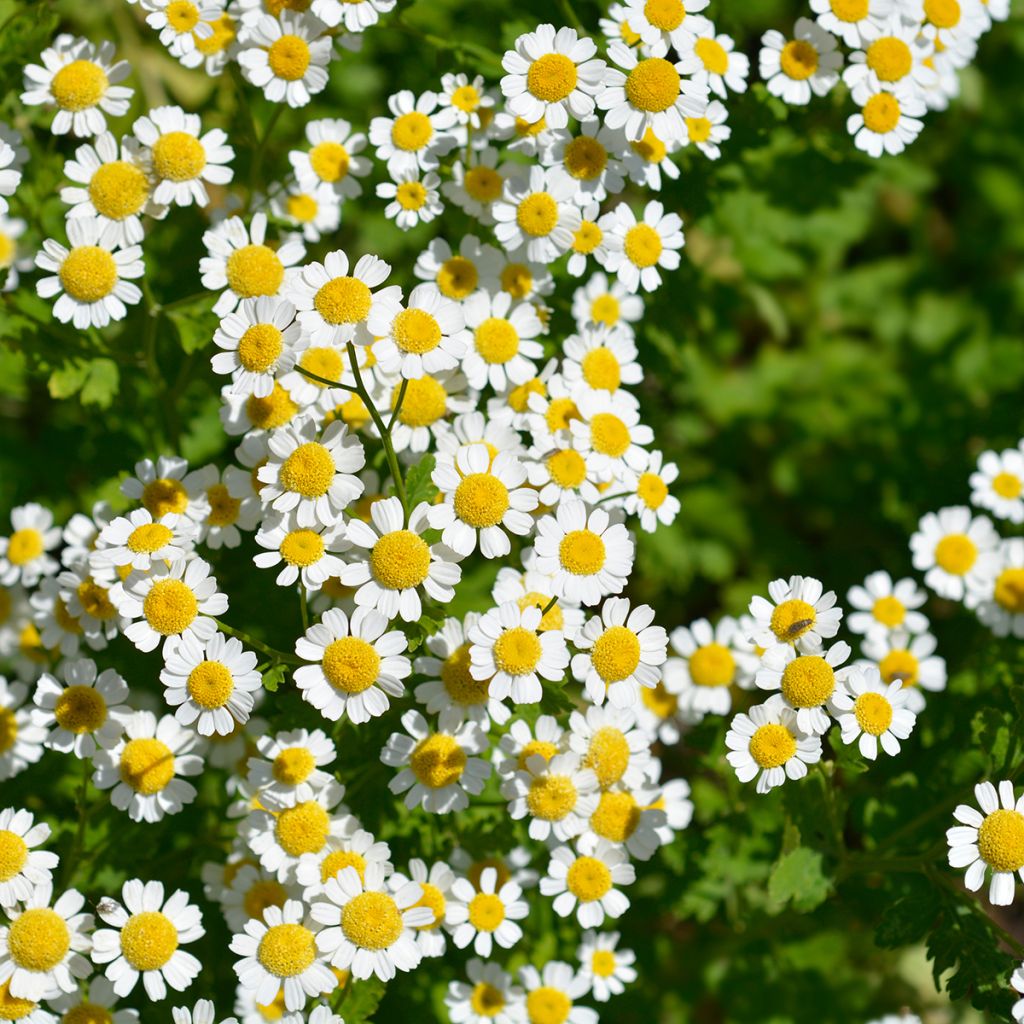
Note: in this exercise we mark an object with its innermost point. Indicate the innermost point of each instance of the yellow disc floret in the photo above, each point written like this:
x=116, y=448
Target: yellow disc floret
x=653, y=85
x=147, y=765
x=178, y=156
x=588, y=879
x=873, y=713
x=551, y=78
x=343, y=300
x=517, y=651
x=302, y=828
x=792, y=619
x=210, y=684
x=118, y=189
x=400, y=560
x=88, y=273
x=372, y=920
x=438, y=761
x=148, y=940
x=772, y=745
x=481, y=500
x=38, y=939
x=80, y=709
x=170, y=607
x=79, y=85
x=254, y=270
x=309, y=470
x=616, y=654
x=581, y=552
x=286, y=950
x=1001, y=840
x=351, y=664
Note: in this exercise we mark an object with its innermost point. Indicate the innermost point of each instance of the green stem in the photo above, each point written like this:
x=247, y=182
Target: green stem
x=261, y=146
x=398, y=405
x=270, y=652
x=570, y=15
x=972, y=904
x=326, y=380
x=551, y=604
x=78, y=843
x=303, y=606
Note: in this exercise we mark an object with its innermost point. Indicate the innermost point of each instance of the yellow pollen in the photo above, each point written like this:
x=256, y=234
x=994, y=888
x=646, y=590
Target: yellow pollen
x=484, y=184
x=712, y=55
x=170, y=607
x=653, y=85
x=517, y=651
x=415, y=330
x=88, y=273
x=8, y=729
x=302, y=207
x=458, y=682
x=11, y=1007
x=486, y=1000
x=519, y=397
x=466, y=98
x=616, y=654
x=481, y=500
x=899, y=664
x=255, y=270
x=182, y=15
x=1009, y=590
x=412, y=131
x=496, y=340
x=162, y=495
x=799, y=59
x=881, y=113
x=486, y=912
x=659, y=701
x=80, y=709
x=411, y=195
x=329, y=160
x=942, y=13
x=643, y=245
x=178, y=156
x=587, y=237
x=551, y=78
x=223, y=36
x=808, y=681
x=616, y=816
x=84, y=1013
x=1007, y=485
x=609, y=435
x=601, y=369
x=546, y=1005
x=309, y=470
x=889, y=58
x=302, y=548
x=650, y=147
x=38, y=939
x=210, y=684
x=289, y=57
x=223, y=508
x=792, y=619
x=148, y=940
x=956, y=553
x=438, y=761
x=343, y=300
x=602, y=963
x=667, y=15
x=147, y=765
x=400, y=560
x=585, y=158
x=434, y=900
x=118, y=190
x=273, y=411
x=608, y=755
x=324, y=362
x=149, y=537
x=889, y=611
x=581, y=552
x=1001, y=840
x=698, y=129
x=772, y=745
x=605, y=310
x=539, y=747
x=458, y=277
x=293, y=765
x=873, y=712
x=537, y=214
x=8, y=251
x=302, y=828
x=79, y=85
x=426, y=401
x=712, y=665
x=629, y=37
x=337, y=860
x=551, y=797
x=568, y=468
x=527, y=129
x=13, y=856
x=262, y=894
x=517, y=280
x=286, y=950
x=25, y=546
x=850, y=10
x=351, y=664
x=588, y=879
x=652, y=490
x=372, y=920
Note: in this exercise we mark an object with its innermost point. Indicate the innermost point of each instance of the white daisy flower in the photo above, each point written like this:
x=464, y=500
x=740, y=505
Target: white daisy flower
x=416, y=135
x=998, y=484
x=486, y=914
x=586, y=555
x=616, y=27
x=59, y=632
x=313, y=212
x=98, y=998
x=716, y=64
x=607, y=740
x=22, y=740
x=887, y=122
x=91, y=280
x=41, y=949
x=799, y=613
x=436, y=884
x=639, y=247
x=80, y=80
x=559, y=795
x=531, y=138
x=537, y=215
x=992, y=839
x=807, y=681
x=768, y=743
x=214, y=51
x=357, y=850
x=488, y=997
x=872, y=712
x=474, y=267
x=160, y=487
x=708, y=665
x=281, y=952
x=183, y=160
x=648, y=159
x=621, y=651
x=808, y=64
x=589, y=160
x=612, y=305
x=144, y=768
x=226, y=514
x=423, y=415
x=333, y=157
x=353, y=17
x=145, y=937
x=287, y=57
x=475, y=188
x=172, y=600
x=587, y=882
x=588, y=241
x=707, y=133
x=998, y=599
x=892, y=57
x=249, y=893
x=14, y=261
x=952, y=24
x=608, y=968
x=415, y=198
x=883, y=606
x=398, y=562
x=649, y=92
x=308, y=553
x=647, y=492
x=503, y=346
x=138, y=541
x=438, y=769
x=557, y=988
x=911, y=661
x=853, y=21
x=609, y=434
x=601, y=358
x=559, y=475
x=289, y=770
x=545, y=739
x=181, y=23
x=241, y=265
x=24, y=868
x=360, y=665
x=88, y=710
x=530, y=588
x=468, y=98
x=954, y=549
x=24, y=554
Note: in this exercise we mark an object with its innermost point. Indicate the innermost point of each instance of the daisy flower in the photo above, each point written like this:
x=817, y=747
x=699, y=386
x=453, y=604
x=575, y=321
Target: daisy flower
x=537, y=214
x=288, y=772
x=998, y=600
x=799, y=612
x=587, y=882
x=807, y=681
x=311, y=475
x=436, y=885
x=560, y=475
x=887, y=122
x=328, y=361
x=503, y=346
x=611, y=305
x=647, y=492
x=891, y=58
x=226, y=513
x=707, y=133
x=333, y=304
x=138, y=541
x=13, y=260
x=172, y=600
x=353, y=17
x=807, y=64
x=359, y=665
x=950, y=24
x=144, y=768
x=484, y=501
x=357, y=850
x=552, y=74
x=460, y=274
x=333, y=157
x=41, y=949
x=287, y=56
x=417, y=134
x=368, y=930
x=99, y=999
x=88, y=710
x=648, y=159
x=716, y=64
x=607, y=740
x=398, y=562
x=24, y=868
x=308, y=553
x=415, y=199
x=853, y=21
x=708, y=665
x=468, y=98
x=438, y=769
x=998, y=484
x=488, y=997
x=910, y=661
x=112, y=186
x=314, y=212
x=91, y=280
x=585, y=554
x=589, y=160
x=486, y=914
x=21, y=740
x=768, y=744
x=181, y=23
x=883, y=606
x=587, y=241
x=24, y=554
x=546, y=739
x=609, y=434
x=554, y=993
x=872, y=712
x=620, y=651
x=559, y=795
x=160, y=487
x=992, y=839
x=215, y=50
x=145, y=937
x=426, y=335
x=183, y=160
x=507, y=649
x=80, y=80
x=601, y=358
x=423, y=415
x=639, y=247
x=476, y=188
x=954, y=549
x=248, y=895
x=241, y=265
x=649, y=92
x=608, y=969
x=451, y=690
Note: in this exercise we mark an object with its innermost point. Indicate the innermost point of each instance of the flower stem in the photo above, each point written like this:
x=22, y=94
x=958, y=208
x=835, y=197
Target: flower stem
x=303, y=606
x=326, y=380
x=398, y=404
x=77, y=844
x=270, y=652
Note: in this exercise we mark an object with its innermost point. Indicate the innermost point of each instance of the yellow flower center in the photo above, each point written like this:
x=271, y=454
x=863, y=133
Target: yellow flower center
x=210, y=684
x=13, y=856
x=8, y=250
x=551, y=78
x=302, y=207
x=309, y=470
x=223, y=508
x=411, y=195
x=11, y=1007
x=80, y=709
x=643, y=245
x=149, y=537
x=808, y=681
x=602, y=963
x=650, y=147
x=850, y=10
x=712, y=55
x=38, y=939
x=942, y=13
x=302, y=548
x=329, y=160
x=537, y=214
x=588, y=879
x=170, y=607
x=372, y=920
x=434, y=900
x=585, y=158
x=426, y=401
x=667, y=15
x=546, y=1005
x=438, y=761
x=84, y=1013
x=1009, y=590
x=568, y=468
x=343, y=300
x=889, y=611
x=873, y=712
x=601, y=369
x=178, y=156
x=293, y=765
x=652, y=490
x=262, y=894
x=79, y=85
x=302, y=828
x=255, y=270
x=162, y=495
x=481, y=500
x=458, y=277
x=551, y=797
x=552, y=619
x=889, y=58
x=486, y=912
x=956, y=553
x=605, y=309
x=287, y=950
x=616, y=654
x=25, y=546
x=273, y=411
x=496, y=340
x=486, y=1000
x=1001, y=840
x=147, y=765
x=458, y=682
x=772, y=745
x=517, y=651
x=539, y=747
x=799, y=59
x=792, y=619
x=148, y=940
x=581, y=552
x=289, y=57
x=182, y=15
x=88, y=273
x=712, y=665
x=1007, y=485
x=653, y=85
x=223, y=36
x=324, y=362
x=698, y=129
x=517, y=280
x=412, y=131
x=336, y=862
x=351, y=664
x=608, y=755
x=587, y=237
x=659, y=701
x=484, y=184
x=415, y=330
x=901, y=665
x=400, y=560
x=881, y=113
x=616, y=816
x=609, y=435
x=118, y=189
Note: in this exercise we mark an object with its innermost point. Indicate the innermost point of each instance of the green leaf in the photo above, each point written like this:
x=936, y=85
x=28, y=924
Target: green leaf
x=101, y=384
x=361, y=1000
x=195, y=324
x=798, y=878
x=274, y=677
x=418, y=485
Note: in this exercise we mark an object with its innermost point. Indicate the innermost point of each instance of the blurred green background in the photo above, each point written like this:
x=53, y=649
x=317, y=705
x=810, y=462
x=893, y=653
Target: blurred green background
x=842, y=339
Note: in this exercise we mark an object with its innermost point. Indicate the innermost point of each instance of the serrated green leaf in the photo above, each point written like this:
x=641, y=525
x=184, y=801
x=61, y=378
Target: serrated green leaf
x=798, y=877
